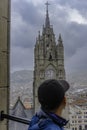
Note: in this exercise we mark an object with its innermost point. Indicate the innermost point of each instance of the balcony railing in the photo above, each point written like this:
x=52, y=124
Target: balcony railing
x=13, y=118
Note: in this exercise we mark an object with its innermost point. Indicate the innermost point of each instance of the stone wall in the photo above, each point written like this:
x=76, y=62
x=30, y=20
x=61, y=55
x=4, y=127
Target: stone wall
x=4, y=58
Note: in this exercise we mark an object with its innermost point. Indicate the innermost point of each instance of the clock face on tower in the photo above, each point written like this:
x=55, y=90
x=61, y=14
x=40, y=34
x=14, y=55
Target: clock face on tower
x=49, y=73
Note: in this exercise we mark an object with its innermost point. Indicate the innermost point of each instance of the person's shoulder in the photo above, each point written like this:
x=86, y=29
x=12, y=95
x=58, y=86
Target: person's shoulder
x=53, y=126
x=48, y=124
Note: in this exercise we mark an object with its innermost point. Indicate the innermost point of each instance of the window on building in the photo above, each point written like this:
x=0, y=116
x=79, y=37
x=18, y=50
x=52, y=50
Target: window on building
x=80, y=121
x=75, y=121
x=85, y=116
x=86, y=127
x=80, y=127
x=79, y=116
x=72, y=121
x=85, y=120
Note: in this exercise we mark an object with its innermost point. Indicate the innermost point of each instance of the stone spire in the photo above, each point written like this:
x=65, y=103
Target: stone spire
x=60, y=39
x=47, y=21
x=60, y=42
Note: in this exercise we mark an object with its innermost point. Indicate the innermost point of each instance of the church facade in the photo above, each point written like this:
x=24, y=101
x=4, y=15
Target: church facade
x=48, y=57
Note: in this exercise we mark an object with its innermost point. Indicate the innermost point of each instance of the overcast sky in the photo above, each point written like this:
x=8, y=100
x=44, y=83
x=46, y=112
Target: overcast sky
x=68, y=17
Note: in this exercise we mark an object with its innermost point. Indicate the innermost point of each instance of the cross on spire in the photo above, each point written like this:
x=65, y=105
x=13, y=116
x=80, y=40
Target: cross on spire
x=47, y=22
x=47, y=4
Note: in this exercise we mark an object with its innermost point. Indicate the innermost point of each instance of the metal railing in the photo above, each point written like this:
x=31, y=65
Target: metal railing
x=13, y=118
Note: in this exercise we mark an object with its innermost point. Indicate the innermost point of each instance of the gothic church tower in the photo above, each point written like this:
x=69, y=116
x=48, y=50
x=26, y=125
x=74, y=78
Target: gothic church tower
x=48, y=57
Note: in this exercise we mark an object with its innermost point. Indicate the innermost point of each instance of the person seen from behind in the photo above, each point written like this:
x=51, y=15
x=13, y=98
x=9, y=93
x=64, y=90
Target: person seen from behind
x=51, y=96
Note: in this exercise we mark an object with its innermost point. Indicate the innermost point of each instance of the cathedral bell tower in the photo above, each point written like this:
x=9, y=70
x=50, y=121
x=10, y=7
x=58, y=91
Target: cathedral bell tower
x=48, y=57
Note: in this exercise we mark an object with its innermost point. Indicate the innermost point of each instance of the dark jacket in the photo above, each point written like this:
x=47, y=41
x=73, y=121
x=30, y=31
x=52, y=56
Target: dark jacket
x=45, y=121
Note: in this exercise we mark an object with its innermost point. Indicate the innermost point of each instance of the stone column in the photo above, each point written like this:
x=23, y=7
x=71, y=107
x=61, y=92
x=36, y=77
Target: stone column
x=4, y=58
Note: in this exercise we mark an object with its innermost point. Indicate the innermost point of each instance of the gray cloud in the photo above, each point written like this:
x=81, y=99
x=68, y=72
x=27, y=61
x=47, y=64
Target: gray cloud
x=75, y=37
x=29, y=13
x=80, y=5
x=27, y=19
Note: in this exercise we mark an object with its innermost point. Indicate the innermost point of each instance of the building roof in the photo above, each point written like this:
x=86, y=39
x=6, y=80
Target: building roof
x=20, y=111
